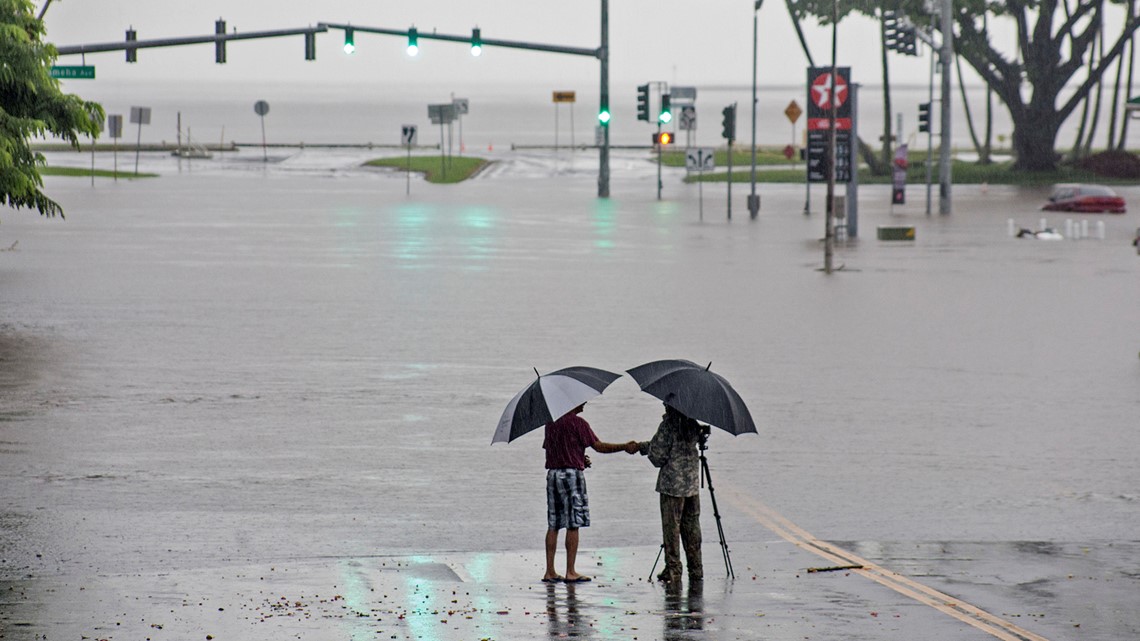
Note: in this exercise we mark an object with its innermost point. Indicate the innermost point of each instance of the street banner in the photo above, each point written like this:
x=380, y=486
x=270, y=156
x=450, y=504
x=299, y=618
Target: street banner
x=898, y=191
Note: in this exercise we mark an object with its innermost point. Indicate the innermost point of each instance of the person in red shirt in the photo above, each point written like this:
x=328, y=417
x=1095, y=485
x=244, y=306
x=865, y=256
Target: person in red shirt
x=567, y=504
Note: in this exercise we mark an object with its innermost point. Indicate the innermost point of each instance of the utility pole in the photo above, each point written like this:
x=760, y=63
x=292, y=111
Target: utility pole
x=604, y=149
x=947, y=54
x=753, y=199
x=829, y=208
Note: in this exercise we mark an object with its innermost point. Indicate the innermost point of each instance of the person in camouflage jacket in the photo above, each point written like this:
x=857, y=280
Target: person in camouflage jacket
x=673, y=449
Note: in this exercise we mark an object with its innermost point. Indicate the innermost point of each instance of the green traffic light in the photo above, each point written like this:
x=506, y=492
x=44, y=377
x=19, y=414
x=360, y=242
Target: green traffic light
x=604, y=116
x=666, y=114
x=349, y=41
x=413, y=42
x=476, y=42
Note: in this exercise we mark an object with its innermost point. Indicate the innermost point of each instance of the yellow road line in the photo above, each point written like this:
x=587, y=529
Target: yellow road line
x=965, y=612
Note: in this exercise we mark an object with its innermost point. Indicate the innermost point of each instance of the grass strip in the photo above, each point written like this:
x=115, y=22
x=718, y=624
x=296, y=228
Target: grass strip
x=962, y=173
x=436, y=169
x=80, y=172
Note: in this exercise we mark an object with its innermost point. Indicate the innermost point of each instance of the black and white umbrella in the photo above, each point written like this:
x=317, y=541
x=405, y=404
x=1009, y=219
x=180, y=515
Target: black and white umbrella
x=697, y=392
x=549, y=398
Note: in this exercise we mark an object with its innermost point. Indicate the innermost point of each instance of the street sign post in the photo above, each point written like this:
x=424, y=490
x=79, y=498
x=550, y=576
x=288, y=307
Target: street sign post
x=140, y=116
x=115, y=130
x=442, y=114
x=700, y=159
x=408, y=139
x=558, y=98
x=261, y=108
x=462, y=105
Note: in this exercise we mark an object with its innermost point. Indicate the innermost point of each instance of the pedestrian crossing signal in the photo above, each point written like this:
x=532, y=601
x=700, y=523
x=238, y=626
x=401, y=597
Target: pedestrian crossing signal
x=664, y=138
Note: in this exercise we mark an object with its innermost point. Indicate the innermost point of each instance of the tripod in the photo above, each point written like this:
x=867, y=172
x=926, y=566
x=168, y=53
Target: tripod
x=706, y=477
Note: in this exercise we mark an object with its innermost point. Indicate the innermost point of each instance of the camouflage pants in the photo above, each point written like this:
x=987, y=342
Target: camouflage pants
x=681, y=525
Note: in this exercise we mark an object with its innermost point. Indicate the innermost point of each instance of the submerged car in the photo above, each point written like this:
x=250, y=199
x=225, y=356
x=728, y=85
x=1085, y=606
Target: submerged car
x=1084, y=198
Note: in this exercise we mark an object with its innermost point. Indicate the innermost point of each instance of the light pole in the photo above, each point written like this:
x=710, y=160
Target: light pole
x=753, y=199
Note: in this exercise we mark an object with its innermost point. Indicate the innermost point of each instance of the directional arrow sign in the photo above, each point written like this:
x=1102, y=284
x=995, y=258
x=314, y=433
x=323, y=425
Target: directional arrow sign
x=699, y=159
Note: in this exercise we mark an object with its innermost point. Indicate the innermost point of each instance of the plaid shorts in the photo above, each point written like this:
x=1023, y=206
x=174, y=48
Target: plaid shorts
x=567, y=504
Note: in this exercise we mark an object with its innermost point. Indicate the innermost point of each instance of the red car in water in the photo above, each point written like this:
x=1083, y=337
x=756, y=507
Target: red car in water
x=1085, y=199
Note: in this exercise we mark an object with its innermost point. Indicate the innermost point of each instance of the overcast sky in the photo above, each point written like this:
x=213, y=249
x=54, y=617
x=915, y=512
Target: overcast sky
x=688, y=42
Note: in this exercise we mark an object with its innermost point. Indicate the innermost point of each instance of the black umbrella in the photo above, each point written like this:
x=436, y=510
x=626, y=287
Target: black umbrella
x=550, y=397
x=697, y=392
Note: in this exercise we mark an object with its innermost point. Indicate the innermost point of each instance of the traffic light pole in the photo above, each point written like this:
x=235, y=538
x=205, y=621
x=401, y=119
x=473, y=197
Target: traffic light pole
x=658, y=160
x=753, y=199
x=604, y=58
x=730, y=179
x=946, y=55
x=929, y=134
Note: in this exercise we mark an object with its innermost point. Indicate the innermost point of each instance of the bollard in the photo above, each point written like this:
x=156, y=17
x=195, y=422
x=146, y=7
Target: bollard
x=1100, y=229
x=1068, y=228
x=1084, y=228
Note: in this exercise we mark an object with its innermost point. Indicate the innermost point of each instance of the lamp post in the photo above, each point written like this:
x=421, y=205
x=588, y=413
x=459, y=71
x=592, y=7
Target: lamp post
x=753, y=199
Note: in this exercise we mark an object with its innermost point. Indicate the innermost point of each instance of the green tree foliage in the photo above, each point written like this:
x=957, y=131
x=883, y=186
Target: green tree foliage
x=1051, y=52
x=1054, y=44
x=32, y=105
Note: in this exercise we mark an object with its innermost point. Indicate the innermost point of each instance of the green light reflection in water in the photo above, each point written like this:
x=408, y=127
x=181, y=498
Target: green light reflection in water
x=346, y=223
x=604, y=223
x=420, y=604
x=358, y=599
x=479, y=569
x=412, y=226
x=477, y=226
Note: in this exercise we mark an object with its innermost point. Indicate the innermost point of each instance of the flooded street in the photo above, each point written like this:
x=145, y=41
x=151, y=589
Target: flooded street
x=230, y=367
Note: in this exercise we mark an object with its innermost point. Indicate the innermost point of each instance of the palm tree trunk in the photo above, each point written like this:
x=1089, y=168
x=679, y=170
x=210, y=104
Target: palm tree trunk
x=1099, y=96
x=1128, y=91
x=983, y=158
x=887, y=139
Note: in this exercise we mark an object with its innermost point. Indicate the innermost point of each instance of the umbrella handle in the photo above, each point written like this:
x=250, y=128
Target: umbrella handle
x=540, y=375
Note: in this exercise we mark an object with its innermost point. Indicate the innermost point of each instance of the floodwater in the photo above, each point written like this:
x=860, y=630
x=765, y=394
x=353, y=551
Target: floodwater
x=235, y=364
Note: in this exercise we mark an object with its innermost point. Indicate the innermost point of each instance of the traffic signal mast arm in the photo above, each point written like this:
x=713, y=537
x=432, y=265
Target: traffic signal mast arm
x=466, y=39
x=322, y=27
x=921, y=34
x=188, y=40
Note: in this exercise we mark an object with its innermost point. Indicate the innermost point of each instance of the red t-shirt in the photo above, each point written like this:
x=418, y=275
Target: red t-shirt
x=566, y=442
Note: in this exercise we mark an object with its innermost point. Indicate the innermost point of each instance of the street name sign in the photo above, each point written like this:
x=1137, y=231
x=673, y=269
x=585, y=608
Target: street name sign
x=68, y=72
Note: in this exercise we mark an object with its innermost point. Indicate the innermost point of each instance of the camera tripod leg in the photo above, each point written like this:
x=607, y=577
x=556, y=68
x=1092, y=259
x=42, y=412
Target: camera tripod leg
x=716, y=515
x=654, y=568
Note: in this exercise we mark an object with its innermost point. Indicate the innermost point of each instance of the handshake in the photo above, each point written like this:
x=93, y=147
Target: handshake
x=632, y=447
